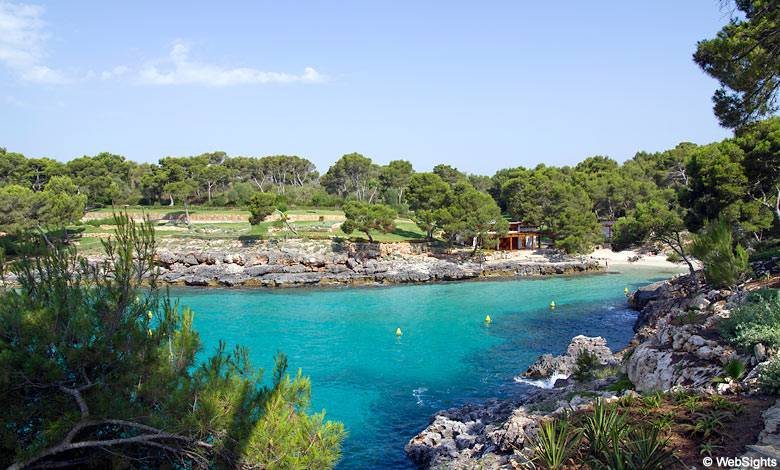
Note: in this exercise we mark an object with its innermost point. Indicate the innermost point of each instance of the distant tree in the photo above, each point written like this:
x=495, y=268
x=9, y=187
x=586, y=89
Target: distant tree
x=247, y=170
x=282, y=170
x=448, y=174
x=353, y=173
x=38, y=172
x=103, y=178
x=481, y=183
x=261, y=205
x=745, y=59
x=476, y=216
x=182, y=190
x=396, y=175
x=240, y=193
x=365, y=217
x=13, y=169
x=62, y=204
x=578, y=232
x=152, y=184
x=22, y=209
x=212, y=170
x=499, y=179
x=659, y=219
x=429, y=196
x=100, y=371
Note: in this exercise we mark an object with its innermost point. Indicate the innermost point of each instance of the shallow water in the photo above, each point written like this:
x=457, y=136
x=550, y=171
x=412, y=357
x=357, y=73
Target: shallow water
x=384, y=387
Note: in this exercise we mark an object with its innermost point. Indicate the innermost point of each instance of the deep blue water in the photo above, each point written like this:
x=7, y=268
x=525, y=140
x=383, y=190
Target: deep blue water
x=384, y=387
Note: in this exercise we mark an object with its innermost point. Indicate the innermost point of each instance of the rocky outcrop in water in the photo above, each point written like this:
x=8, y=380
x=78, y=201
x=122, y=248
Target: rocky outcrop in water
x=548, y=365
x=277, y=267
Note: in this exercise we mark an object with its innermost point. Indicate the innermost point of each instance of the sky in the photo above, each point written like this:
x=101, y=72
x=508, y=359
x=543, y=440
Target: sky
x=478, y=85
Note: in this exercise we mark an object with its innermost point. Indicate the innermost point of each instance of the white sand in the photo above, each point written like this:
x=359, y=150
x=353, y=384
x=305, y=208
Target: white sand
x=621, y=258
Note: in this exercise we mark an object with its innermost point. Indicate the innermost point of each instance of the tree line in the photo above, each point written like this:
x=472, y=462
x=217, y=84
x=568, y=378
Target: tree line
x=738, y=177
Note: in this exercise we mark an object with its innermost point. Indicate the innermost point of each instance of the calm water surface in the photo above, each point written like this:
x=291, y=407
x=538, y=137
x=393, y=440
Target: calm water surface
x=384, y=387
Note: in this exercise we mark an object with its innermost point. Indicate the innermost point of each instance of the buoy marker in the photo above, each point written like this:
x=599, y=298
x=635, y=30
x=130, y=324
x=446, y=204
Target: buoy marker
x=625, y=290
x=487, y=319
x=150, y=332
x=552, y=304
x=398, y=332
x=149, y=314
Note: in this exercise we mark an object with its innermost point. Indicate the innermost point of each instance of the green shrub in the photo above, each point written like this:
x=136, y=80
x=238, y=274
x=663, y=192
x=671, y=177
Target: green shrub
x=99, y=371
x=769, y=377
x=755, y=321
x=734, y=369
x=623, y=383
x=585, y=364
x=99, y=222
x=606, y=371
x=724, y=264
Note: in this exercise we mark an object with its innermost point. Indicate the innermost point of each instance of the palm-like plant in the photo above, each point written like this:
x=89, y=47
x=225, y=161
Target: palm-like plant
x=554, y=443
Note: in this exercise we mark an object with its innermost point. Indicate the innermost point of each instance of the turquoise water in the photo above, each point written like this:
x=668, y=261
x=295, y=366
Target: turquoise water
x=384, y=387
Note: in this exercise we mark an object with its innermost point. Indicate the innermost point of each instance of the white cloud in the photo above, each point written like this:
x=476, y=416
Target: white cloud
x=22, y=38
x=117, y=71
x=179, y=69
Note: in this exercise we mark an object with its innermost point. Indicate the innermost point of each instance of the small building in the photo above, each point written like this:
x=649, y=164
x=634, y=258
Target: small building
x=606, y=227
x=522, y=238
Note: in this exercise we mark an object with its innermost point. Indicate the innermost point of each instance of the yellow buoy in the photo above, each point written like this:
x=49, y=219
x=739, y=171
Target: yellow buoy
x=150, y=332
x=137, y=299
x=625, y=290
x=398, y=332
x=487, y=319
x=552, y=304
x=150, y=314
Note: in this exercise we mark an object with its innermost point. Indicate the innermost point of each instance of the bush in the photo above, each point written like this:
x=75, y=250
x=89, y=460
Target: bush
x=241, y=193
x=96, y=372
x=769, y=377
x=755, y=321
x=724, y=264
x=585, y=364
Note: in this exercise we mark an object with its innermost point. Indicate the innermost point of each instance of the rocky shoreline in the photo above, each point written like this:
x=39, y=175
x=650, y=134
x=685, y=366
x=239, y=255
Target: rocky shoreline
x=357, y=264
x=674, y=349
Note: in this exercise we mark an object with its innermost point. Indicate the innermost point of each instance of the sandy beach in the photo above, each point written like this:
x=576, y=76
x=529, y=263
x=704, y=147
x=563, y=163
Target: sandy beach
x=608, y=257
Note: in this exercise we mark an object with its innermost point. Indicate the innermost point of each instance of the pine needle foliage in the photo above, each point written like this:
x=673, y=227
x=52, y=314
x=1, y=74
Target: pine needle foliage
x=98, y=370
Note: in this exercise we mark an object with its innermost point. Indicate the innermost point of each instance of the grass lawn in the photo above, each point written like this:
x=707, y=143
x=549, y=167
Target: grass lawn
x=406, y=230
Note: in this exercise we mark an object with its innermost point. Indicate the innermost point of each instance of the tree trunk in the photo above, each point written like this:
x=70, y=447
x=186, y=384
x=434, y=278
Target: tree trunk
x=209, y=192
x=400, y=195
x=370, y=238
x=45, y=238
x=680, y=250
x=186, y=212
x=171, y=196
x=474, y=243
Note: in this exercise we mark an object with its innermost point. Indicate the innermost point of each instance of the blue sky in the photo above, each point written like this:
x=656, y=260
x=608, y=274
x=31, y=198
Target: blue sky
x=479, y=85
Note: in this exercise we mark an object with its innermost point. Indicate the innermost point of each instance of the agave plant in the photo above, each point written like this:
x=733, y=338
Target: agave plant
x=602, y=426
x=554, y=443
x=647, y=450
